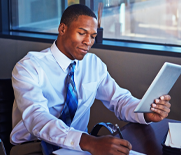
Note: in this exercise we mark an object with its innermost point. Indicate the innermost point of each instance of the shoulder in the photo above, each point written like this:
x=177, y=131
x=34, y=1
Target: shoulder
x=31, y=61
x=34, y=56
x=38, y=54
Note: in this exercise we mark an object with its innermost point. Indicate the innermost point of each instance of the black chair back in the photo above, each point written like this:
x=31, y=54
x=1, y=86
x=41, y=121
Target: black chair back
x=6, y=103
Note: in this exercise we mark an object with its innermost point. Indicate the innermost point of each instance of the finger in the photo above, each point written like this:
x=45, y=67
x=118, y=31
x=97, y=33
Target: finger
x=165, y=97
x=163, y=114
x=161, y=107
x=123, y=150
x=120, y=147
x=123, y=142
x=163, y=102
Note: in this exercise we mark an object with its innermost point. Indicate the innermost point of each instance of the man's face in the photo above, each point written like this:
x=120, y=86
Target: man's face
x=78, y=37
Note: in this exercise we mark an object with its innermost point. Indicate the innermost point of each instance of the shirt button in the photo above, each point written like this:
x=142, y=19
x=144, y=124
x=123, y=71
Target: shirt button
x=72, y=143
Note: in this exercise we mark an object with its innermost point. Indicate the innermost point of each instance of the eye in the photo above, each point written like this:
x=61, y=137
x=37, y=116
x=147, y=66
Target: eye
x=93, y=37
x=81, y=33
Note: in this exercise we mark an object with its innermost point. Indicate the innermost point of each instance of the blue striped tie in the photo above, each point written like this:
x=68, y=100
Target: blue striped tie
x=69, y=110
x=71, y=101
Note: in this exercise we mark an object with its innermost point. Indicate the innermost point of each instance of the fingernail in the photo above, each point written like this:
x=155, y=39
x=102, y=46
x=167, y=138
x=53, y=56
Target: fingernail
x=154, y=105
x=157, y=100
x=162, y=98
x=153, y=109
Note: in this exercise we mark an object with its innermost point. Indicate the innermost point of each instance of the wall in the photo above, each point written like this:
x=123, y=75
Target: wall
x=135, y=72
x=13, y=50
x=132, y=71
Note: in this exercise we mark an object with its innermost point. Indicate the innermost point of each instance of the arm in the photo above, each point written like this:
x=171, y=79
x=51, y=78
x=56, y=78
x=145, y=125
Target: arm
x=119, y=100
x=116, y=99
x=35, y=118
x=123, y=103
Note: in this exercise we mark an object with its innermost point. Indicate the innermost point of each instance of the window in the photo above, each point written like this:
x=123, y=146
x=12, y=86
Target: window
x=37, y=15
x=155, y=21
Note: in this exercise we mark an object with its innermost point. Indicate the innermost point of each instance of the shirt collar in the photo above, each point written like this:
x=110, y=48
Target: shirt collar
x=61, y=58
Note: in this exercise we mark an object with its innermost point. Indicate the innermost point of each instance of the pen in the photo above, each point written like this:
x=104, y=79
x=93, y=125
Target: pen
x=118, y=131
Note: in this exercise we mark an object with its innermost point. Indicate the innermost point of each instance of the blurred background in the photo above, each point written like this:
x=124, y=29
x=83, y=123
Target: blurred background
x=154, y=21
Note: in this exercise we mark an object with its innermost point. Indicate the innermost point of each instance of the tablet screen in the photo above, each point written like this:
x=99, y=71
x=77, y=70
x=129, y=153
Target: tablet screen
x=161, y=85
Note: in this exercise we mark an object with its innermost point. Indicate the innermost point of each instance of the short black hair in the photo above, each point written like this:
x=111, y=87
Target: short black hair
x=74, y=11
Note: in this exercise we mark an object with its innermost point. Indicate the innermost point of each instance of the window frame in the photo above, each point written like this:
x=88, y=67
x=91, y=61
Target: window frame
x=4, y=16
x=107, y=44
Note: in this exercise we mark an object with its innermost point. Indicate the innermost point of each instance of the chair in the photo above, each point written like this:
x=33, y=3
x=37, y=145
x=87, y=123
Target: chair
x=6, y=103
x=2, y=149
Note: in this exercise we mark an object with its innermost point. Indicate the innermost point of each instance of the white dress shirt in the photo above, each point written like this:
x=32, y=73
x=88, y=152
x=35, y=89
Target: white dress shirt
x=39, y=86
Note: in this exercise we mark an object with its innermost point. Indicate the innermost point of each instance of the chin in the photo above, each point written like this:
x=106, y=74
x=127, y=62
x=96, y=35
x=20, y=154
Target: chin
x=80, y=57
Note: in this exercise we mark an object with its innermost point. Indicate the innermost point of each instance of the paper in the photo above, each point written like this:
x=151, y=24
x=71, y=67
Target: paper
x=173, y=138
x=135, y=153
x=72, y=152
x=168, y=139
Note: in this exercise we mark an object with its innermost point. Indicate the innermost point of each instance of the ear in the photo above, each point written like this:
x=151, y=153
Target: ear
x=62, y=28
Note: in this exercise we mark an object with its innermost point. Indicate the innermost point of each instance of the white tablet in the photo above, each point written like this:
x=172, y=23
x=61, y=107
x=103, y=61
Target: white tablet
x=161, y=85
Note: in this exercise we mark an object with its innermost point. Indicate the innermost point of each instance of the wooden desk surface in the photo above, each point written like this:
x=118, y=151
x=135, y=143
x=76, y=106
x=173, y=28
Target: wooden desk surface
x=146, y=138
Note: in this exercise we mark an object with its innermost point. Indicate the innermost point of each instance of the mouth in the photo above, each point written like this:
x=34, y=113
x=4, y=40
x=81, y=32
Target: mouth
x=83, y=50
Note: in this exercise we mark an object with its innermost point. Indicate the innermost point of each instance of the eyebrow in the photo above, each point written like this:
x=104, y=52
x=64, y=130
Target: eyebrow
x=86, y=30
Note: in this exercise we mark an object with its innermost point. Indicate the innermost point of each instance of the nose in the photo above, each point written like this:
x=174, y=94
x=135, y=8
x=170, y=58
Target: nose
x=87, y=40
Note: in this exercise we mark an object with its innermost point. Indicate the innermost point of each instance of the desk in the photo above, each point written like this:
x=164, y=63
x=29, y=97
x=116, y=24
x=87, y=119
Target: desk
x=146, y=138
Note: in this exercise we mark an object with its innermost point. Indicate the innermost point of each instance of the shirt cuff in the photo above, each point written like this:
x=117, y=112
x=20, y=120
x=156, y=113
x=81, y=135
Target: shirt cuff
x=142, y=119
x=73, y=139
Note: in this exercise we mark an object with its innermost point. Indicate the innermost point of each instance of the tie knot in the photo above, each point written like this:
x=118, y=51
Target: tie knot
x=72, y=67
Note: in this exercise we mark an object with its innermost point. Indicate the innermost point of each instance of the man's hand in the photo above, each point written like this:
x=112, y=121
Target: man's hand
x=104, y=145
x=160, y=109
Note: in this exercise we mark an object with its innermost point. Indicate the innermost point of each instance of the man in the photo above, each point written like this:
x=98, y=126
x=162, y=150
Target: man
x=39, y=82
